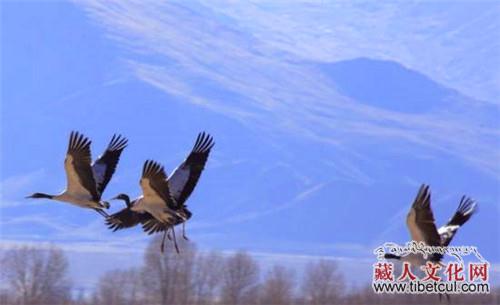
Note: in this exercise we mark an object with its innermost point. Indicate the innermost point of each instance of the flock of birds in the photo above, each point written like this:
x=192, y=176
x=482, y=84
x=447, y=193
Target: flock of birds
x=162, y=205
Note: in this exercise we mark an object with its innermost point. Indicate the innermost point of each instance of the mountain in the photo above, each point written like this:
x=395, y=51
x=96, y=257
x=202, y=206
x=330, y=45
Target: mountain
x=387, y=84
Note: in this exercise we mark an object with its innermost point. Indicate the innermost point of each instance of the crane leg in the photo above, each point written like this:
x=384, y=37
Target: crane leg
x=184, y=231
x=162, y=246
x=175, y=240
x=103, y=214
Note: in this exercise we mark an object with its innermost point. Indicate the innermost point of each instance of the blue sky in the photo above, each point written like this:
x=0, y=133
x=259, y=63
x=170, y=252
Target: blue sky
x=327, y=117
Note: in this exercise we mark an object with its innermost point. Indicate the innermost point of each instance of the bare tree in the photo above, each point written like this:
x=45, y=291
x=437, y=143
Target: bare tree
x=108, y=291
x=32, y=276
x=167, y=277
x=6, y=297
x=278, y=286
x=323, y=283
x=206, y=278
x=37, y=276
x=119, y=287
x=81, y=299
x=240, y=278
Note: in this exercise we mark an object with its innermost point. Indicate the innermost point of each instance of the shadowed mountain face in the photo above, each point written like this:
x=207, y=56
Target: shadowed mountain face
x=386, y=84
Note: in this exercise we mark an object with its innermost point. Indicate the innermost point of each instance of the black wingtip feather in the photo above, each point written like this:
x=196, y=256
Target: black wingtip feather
x=152, y=227
x=145, y=168
x=117, y=143
x=204, y=142
x=423, y=198
x=466, y=206
x=78, y=141
x=465, y=210
x=114, y=224
x=152, y=168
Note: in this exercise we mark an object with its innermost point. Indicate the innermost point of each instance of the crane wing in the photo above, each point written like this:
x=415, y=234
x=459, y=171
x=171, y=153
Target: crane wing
x=80, y=179
x=185, y=177
x=104, y=167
